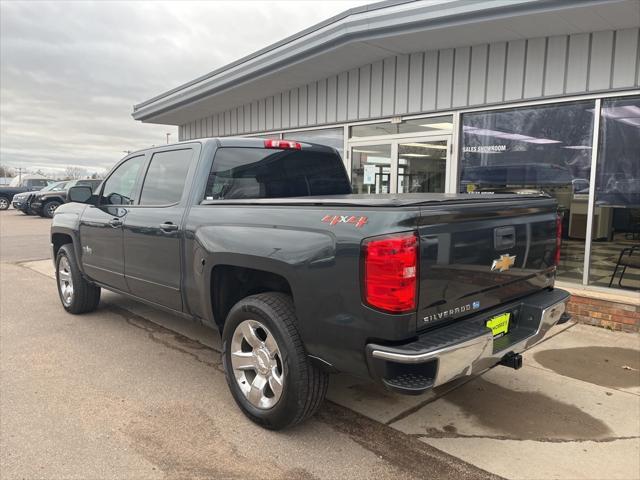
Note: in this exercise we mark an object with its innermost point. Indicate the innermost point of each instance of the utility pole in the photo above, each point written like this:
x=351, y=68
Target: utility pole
x=19, y=175
x=168, y=135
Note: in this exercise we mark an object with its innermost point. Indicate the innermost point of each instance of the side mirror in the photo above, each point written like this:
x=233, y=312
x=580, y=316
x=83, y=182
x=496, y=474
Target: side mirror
x=80, y=194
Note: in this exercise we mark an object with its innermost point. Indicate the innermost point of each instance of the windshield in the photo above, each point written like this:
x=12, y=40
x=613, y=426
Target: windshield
x=54, y=187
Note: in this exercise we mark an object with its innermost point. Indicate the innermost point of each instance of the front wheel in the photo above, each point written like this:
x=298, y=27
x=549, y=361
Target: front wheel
x=76, y=294
x=266, y=366
x=49, y=208
x=4, y=203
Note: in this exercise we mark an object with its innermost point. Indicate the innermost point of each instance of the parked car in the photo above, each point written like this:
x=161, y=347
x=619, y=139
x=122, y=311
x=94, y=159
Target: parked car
x=45, y=203
x=263, y=240
x=22, y=201
x=27, y=185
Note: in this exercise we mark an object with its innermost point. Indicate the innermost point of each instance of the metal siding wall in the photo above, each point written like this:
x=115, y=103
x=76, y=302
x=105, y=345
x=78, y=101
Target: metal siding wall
x=514, y=78
x=555, y=65
x=343, y=86
x=416, y=70
x=364, y=92
x=294, y=106
x=600, y=60
x=277, y=111
x=578, y=61
x=430, y=81
x=269, y=114
x=376, y=89
x=444, y=79
x=241, y=119
x=234, y=122
x=478, y=74
x=388, y=85
x=312, y=102
x=534, y=67
x=461, y=77
x=352, y=94
x=626, y=58
x=496, y=72
x=303, y=104
x=402, y=85
x=322, y=101
x=332, y=99
x=286, y=110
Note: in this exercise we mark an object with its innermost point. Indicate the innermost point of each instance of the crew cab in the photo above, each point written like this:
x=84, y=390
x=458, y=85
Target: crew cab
x=26, y=185
x=264, y=241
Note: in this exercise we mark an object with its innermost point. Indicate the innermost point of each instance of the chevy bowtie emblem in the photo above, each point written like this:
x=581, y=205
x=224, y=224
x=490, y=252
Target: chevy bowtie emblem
x=504, y=263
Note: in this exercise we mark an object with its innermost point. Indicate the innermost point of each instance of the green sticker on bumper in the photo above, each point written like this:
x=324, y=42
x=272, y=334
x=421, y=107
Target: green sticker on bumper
x=499, y=325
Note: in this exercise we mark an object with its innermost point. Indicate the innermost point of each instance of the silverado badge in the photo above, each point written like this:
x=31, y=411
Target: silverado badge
x=504, y=263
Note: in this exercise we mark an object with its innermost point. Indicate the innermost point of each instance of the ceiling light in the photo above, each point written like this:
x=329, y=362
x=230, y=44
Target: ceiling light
x=439, y=125
x=424, y=145
x=414, y=155
x=367, y=151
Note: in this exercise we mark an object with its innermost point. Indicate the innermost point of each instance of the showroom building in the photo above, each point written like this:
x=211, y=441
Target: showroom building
x=459, y=96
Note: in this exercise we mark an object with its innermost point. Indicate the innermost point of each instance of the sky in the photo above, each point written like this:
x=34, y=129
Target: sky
x=70, y=72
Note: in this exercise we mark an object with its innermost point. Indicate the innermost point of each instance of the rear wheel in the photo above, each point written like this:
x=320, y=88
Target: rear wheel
x=49, y=208
x=76, y=294
x=4, y=203
x=266, y=366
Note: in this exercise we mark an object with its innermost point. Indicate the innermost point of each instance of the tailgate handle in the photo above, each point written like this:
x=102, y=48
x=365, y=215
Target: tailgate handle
x=504, y=238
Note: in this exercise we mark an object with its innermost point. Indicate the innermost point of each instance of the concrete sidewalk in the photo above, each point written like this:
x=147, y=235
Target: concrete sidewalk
x=573, y=410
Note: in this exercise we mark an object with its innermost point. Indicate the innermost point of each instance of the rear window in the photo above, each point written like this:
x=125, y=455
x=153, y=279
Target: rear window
x=264, y=173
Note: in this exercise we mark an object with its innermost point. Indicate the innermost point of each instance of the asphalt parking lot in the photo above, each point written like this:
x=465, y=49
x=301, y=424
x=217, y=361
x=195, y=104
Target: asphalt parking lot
x=131, y=392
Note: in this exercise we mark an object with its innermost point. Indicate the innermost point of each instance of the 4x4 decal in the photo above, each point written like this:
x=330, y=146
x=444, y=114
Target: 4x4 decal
x=359, y=222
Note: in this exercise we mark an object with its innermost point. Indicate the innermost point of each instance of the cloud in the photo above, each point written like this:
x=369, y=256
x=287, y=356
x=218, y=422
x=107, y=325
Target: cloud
x=71, y=71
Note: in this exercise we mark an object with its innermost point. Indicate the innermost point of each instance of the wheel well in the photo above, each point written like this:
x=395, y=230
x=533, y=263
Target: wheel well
x=230, y=284
x=58, y=240
x=51, y=199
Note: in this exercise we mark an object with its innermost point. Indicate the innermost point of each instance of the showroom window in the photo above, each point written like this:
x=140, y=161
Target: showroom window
x=616, y=215
x=333, y=137
x=532, y=149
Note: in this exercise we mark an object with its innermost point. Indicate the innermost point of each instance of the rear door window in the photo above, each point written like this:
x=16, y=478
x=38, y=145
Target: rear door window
x=166, y=177
x=264, y=173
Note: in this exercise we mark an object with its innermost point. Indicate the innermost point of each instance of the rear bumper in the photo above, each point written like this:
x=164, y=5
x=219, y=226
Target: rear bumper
x=466, y=347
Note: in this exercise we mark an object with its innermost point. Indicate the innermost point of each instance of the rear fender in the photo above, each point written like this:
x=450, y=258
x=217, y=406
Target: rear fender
x=288, y=253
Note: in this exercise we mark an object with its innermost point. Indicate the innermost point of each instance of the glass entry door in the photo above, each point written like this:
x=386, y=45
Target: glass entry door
x=409, y=165
x=422, y=166
x=371, y=168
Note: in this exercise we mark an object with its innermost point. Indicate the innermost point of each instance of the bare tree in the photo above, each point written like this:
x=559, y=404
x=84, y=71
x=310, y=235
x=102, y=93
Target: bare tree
x=73, y=173
x=6, y=171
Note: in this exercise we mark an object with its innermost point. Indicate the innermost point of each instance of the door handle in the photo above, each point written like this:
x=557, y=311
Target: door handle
x=115, y=222
x=168, y=227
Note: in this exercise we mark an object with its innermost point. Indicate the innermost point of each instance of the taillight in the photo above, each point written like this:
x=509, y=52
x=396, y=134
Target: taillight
x=282, y=144
x=390, y=266
x=558, y=239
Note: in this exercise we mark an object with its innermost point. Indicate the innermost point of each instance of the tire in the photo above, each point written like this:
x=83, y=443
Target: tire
x=49, y=208
x=303, y=386
x=4, y=203
x=76, y=294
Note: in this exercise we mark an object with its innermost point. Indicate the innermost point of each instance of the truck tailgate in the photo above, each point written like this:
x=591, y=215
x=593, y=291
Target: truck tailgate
x=476, y=256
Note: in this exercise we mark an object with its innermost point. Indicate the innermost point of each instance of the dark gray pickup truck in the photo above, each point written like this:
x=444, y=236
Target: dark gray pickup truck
x=263, y=240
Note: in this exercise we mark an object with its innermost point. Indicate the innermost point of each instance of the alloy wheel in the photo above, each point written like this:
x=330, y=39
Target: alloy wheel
x=65, y=281
x=257, y=364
